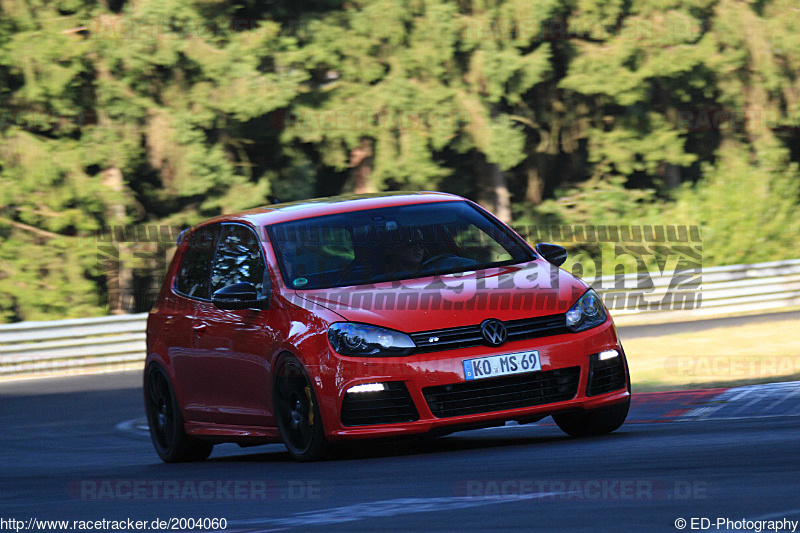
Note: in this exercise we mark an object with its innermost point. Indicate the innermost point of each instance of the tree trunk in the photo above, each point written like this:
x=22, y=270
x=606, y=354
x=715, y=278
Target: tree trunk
x=492, y=188
x=672, y=175
x=361, y=165
x=119, y=276
x=536, y=171
x=502, y=198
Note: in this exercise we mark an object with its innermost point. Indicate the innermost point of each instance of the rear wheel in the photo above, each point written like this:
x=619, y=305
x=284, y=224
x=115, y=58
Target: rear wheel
x=594, y=422
x=297, y=412
x=166, y=423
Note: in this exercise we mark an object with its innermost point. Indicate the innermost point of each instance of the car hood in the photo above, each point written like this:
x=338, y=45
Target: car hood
x=532, y=289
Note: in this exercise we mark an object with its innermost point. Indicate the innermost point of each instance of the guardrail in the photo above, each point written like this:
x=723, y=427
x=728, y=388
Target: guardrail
x=118, y=342
x=73, y=346
x=714, y=291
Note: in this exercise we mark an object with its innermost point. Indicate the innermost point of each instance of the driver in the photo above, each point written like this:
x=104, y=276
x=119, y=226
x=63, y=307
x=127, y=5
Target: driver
x=405, y=254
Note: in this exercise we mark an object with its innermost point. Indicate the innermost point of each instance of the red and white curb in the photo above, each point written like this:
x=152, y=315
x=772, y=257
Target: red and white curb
x=751, y=401
x=739, y=403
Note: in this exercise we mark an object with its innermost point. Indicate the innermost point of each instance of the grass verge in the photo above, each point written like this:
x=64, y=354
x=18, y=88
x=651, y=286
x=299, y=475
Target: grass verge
x=716, y=357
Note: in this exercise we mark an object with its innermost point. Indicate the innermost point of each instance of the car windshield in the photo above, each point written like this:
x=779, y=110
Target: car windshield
x=393, y=243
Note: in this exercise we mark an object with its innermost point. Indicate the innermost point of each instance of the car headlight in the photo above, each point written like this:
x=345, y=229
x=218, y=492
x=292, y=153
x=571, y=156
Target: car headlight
x=586, y=313
x=350, y=338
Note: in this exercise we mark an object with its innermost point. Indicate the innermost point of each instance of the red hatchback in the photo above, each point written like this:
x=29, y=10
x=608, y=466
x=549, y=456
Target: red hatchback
x=372, y=316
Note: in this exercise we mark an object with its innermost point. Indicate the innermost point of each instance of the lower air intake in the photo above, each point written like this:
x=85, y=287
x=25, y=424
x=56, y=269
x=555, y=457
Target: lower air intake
x=507, y=392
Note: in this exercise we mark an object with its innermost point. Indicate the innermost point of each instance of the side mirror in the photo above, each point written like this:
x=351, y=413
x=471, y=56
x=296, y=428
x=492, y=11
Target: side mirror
x=239, y=296
x=552, y=253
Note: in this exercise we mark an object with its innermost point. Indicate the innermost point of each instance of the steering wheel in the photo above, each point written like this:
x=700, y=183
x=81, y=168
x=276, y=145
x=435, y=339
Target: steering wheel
x=435, y=258
x=354, y=272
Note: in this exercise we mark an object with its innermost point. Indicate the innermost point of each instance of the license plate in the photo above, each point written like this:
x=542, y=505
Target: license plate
x=502, y=365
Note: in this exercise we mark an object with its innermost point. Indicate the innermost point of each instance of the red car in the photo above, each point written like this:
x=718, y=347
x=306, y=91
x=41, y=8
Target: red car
x=368, y=316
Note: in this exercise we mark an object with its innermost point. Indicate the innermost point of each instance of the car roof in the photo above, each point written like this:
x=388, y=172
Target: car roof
x=285, y=212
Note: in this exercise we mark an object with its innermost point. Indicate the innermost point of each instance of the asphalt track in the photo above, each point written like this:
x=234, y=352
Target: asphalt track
x=73, y=449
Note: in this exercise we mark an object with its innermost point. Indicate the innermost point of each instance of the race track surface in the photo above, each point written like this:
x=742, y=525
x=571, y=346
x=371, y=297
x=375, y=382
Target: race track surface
x=73, y=449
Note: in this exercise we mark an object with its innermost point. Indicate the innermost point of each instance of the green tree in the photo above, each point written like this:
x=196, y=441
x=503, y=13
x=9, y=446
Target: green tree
x=47, y=195
x=547, y=111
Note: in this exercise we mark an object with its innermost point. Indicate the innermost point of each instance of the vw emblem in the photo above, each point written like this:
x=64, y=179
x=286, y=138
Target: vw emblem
x=494, y=332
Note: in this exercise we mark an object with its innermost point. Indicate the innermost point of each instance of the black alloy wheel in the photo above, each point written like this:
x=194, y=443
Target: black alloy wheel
x=297, y=412
x=166, y=423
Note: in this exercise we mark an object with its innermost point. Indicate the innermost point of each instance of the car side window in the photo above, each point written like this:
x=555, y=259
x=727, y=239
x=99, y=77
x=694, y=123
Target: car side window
x=195, y=268
x=238, y=259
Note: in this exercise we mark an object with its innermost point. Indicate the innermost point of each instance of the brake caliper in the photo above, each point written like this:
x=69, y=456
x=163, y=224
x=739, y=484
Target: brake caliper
x=310, y=406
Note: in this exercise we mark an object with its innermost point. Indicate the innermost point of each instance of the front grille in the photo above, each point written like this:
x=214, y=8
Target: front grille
x=436, y=340
x=507, y=392
x=381, y=407
x=605, y=376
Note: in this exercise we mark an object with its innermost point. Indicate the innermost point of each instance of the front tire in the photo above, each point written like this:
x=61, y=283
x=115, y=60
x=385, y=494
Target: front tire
x=166, y=422
x=594, y=422
x=297, y=412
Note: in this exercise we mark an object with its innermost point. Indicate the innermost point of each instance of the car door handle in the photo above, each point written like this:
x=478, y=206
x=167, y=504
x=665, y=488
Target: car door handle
x=200, y=328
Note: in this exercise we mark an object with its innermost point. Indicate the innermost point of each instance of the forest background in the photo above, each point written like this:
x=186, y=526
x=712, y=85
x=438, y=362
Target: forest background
x=148, y=115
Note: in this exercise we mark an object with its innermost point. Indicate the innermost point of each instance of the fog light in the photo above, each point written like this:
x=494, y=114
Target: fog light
x=367, y=387
x=608, y=354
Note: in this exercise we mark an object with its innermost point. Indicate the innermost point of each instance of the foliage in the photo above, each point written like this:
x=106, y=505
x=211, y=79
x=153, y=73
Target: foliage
x=165, y=112
x=747, y=210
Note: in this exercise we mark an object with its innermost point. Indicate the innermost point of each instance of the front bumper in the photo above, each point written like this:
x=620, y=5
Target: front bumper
x=429, y=393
